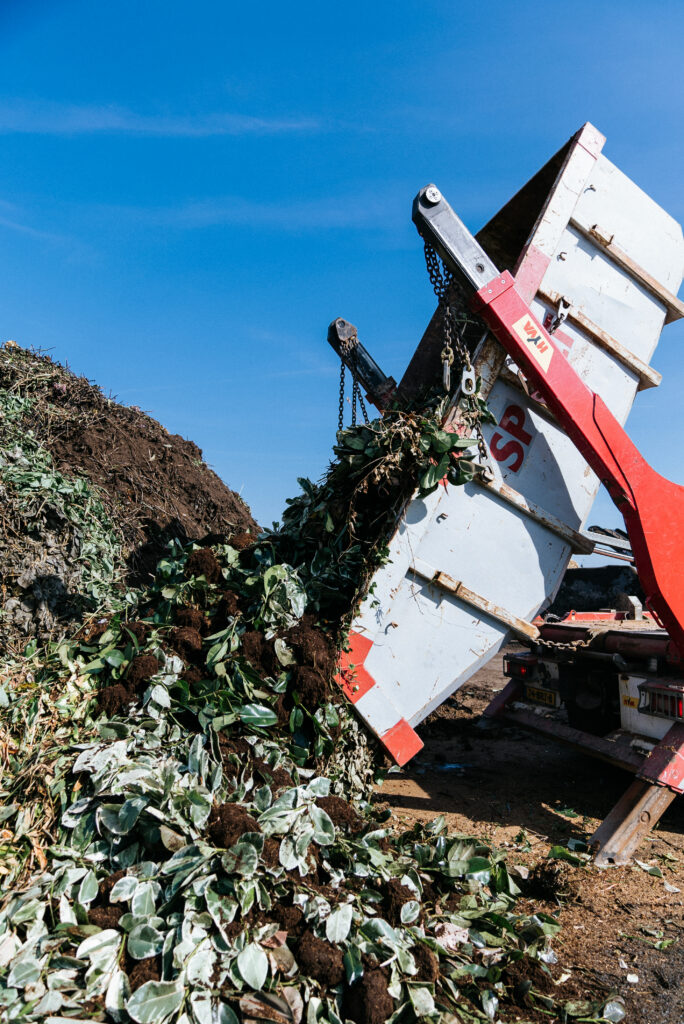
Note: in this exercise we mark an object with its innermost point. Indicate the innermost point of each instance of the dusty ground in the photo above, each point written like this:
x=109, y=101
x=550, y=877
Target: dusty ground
x=524, y=793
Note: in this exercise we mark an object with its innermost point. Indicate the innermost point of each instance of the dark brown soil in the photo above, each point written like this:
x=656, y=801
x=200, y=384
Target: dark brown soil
x=140, y=671
x=186, y=641
x=105, y=917
x=227, y=608
x=113, y=699
x=140, y=631
x=270, y=854
x=290, y=919
x=241, y=541
x=227, y=823
x=192, y=618
x=156, y=483
x=367, y=1001
x=106, y=886
x=234, y=753
x=191, y=675
x=319, y=960
x=312, y=686
x=259, y=652
x=278, y=778
x=311, y=647
x=427, y=962
x=341, y=813
x=395, y=895
x=203, y=562
x=140, y=971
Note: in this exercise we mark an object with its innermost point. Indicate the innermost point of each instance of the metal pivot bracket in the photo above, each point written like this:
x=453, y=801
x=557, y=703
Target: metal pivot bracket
x=343, y=338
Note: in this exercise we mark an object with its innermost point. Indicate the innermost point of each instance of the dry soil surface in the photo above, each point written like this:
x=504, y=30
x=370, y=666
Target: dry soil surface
x=621, y=927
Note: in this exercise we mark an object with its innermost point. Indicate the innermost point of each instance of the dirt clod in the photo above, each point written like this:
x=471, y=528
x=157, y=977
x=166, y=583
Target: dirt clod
x=367, y=1001
x=394, y=898
x=312, y=686
x=141, y=971
x=203, y=562
x=228, y=822
x=105, y=917
x=140, y=671
x=186, y=641
x=427, y=962
x=191, y=617
x=319, y=960
x=340, y=812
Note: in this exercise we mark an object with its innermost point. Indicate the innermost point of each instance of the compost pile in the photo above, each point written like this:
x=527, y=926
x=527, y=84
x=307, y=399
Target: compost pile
x=189, y=830
x=91, y=491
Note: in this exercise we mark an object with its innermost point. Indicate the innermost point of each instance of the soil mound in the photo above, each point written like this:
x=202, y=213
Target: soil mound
x=92, y=491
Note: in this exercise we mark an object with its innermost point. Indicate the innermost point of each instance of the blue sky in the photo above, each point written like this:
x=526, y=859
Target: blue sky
x=189, y=193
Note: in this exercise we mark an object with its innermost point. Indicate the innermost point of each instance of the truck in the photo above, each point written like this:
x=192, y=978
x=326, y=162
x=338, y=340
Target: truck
x=568, y=286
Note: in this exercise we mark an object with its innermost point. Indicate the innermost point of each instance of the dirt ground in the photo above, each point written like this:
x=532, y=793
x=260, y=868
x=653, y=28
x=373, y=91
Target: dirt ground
x=522, y=792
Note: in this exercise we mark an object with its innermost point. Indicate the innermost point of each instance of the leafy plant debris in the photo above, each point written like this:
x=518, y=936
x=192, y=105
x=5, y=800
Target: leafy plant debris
x=188, y=829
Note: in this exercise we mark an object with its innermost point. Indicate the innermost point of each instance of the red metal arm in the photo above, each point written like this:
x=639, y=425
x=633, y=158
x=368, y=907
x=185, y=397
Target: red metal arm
x=652, y=507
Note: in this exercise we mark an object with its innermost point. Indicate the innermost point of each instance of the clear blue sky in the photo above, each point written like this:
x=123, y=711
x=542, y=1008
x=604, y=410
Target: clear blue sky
x=189, y=192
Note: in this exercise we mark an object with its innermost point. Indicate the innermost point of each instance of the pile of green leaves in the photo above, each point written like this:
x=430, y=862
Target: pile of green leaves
x=140, y=911
x=338, y=530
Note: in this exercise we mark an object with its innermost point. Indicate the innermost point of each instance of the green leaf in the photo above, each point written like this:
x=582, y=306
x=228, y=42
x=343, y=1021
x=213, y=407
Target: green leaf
x=144, y=941
x=154, y=1001
x=560, y=853
x=324, y=830
x=353, y=965
x=258, y=715
x=88, y=889
x=421, y=999
x=338, y=923
x=410, y=912
x=253, y=965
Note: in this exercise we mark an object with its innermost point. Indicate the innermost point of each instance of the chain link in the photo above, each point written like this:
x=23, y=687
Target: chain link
x=348, y=349
x=442, y=281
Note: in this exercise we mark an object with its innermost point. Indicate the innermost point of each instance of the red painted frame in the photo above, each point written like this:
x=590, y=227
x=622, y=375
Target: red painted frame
x=652, y=507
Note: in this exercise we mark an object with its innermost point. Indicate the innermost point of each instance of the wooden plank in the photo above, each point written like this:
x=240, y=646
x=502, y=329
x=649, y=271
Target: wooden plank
x=459, y=590
x=648, y=377
x=602, y=238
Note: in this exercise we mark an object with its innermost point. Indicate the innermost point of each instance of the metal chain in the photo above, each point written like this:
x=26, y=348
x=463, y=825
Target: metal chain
x=348, y=348
x=441, y=279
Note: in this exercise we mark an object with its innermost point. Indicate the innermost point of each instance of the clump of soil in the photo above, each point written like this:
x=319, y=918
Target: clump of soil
x=552, y=881
x=290, y=919
x=234, y=752
x=320, y=960
x=340, y=812
x=278, y=778
x=203, y=562
x=192, y=618
x=140, y=971
x=394, y=897
x=186, y=641
x=367, y=1001
x=105, y=917
x=227, y=823
x=140, y=671
x=312, y=686
x=227, y=608
x=192, y=675
x=427, y=962
x=119, y=696
x=311, y=647
x=140, y=631
x=259, y=652
x=241, y=541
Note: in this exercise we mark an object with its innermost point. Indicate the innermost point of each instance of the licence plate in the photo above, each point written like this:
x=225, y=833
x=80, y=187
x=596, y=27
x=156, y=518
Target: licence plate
x=549, y=697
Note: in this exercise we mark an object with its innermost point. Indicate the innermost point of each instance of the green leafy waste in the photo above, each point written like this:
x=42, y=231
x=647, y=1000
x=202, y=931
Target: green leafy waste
x=218, y=855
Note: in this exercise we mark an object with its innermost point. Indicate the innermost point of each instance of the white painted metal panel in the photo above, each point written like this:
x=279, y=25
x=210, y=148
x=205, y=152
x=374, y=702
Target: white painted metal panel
x=422, y=641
